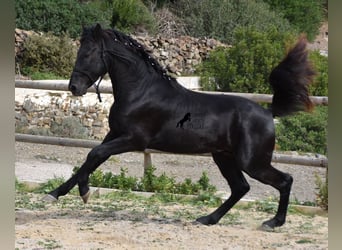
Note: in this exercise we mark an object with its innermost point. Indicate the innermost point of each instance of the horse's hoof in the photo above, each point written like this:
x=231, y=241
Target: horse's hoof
x=85, y=197
x=206, y=220
x=49, y=198
x=266, y=228
x=196, y=223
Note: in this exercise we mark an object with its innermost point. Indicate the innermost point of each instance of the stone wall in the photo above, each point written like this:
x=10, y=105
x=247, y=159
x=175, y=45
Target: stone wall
x=178, y=55
x=61, y=114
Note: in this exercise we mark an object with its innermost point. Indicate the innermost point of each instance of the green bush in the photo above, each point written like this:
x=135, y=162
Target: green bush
x=219, y=19
x=246, y=66
x=322, y=198
x=50, y=185
x=304, y=132
x=58, y=17
x=164, y=184
x=306, y=16
x=320, y=63
x=157, y=3
x=130, y=15
x=108, y=180
x=150, y=182
x=48, y=55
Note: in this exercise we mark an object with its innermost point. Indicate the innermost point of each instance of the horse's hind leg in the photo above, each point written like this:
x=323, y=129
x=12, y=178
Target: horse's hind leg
x=282, y=182
x=238, y=185
x=254, y=156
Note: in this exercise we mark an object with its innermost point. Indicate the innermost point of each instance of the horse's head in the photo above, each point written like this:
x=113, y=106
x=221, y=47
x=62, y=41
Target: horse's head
x=90, y=64
x=104, y=50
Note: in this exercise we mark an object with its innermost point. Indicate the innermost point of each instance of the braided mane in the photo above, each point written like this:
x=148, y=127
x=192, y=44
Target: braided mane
x=132, y=45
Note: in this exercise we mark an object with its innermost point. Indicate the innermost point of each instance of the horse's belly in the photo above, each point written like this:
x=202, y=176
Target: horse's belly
x=187, y=142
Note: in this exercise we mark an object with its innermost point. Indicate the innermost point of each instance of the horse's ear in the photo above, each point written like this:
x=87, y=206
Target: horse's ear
x=97, y=30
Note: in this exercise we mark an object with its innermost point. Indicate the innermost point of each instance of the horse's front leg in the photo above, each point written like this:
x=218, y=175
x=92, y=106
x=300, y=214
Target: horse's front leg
x=95, y=158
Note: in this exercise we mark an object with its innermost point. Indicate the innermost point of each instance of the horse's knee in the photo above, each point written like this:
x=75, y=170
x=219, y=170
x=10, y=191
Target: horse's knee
x=97, y=153
x=94, y=153
x=245, y=188
x=241, y=189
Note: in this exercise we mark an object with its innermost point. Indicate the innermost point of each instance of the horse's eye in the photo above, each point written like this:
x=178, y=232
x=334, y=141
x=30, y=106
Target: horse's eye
x=89, y=52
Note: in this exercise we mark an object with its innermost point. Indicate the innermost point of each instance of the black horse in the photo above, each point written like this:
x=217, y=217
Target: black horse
x=149, y=104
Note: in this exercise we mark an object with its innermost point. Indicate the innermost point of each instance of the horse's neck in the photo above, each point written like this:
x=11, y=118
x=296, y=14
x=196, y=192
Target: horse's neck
x=133, y=84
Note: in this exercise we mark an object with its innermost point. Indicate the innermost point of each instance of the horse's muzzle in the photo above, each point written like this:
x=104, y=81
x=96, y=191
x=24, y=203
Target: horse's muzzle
x=77, y=91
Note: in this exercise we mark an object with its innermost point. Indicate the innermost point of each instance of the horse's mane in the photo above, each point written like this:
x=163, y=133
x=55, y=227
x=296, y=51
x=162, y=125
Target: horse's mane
x=133, y=45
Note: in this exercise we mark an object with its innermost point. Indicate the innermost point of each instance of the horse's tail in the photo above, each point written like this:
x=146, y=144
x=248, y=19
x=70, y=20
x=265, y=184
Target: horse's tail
x=290, y=81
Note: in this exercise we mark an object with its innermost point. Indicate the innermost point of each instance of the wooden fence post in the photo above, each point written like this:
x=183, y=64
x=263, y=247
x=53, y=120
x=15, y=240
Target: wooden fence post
x=147, y=161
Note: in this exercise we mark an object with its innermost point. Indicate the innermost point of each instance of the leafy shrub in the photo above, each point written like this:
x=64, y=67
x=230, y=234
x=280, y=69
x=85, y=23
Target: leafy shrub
x=246, y=66
x=150, y=182
x=305, y=16
x=50, y=185
x=304, y=132
x=108, y=180
x=20, y=187
x=219, y=19
x=130, y=15
x=320, y=63
x=36, y=75
x=322, y=197
x=48, y=54
x=58, y=17
x=157, y=3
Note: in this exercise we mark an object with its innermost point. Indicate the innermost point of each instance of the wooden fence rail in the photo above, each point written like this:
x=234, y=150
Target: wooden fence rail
x=62, y=85
x=61, y=141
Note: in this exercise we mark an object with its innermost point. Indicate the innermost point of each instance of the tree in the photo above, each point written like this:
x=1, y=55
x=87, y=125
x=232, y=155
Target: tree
x=246, y=66
x=58, y=17
x=306, y=16
x=219, y=19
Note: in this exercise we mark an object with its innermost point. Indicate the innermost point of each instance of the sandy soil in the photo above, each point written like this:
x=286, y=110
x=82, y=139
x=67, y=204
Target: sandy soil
x=65, y=225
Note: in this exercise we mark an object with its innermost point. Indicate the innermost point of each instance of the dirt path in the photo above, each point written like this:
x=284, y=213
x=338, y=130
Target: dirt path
x=123, y=224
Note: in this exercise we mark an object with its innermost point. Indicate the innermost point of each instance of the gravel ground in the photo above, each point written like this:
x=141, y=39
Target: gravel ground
x=128, y=224
x=38, y=163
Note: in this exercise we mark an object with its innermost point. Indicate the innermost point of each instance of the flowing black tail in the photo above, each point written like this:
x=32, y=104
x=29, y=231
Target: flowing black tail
x=290, y=81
